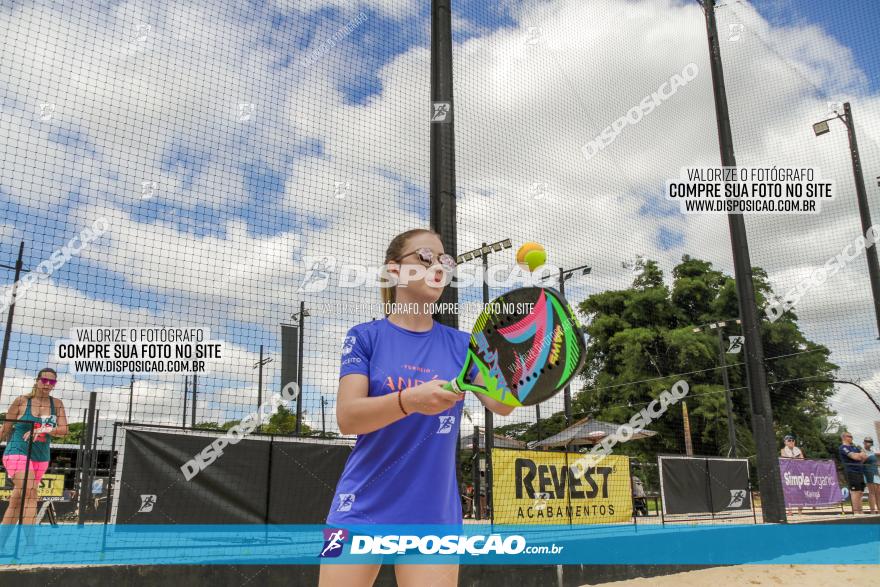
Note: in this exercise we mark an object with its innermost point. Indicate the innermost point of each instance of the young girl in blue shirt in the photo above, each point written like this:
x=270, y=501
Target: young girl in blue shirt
x=402, y=469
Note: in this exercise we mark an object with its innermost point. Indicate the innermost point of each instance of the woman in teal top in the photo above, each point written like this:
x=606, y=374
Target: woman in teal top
x=44, y=416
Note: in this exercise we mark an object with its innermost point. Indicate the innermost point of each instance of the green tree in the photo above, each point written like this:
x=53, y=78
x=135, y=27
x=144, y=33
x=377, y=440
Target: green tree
x=208, y=426
x=75, y=432
x=284, y=422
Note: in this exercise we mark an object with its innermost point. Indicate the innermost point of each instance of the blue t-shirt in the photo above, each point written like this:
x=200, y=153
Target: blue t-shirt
x=404, y=473
x=849, y=465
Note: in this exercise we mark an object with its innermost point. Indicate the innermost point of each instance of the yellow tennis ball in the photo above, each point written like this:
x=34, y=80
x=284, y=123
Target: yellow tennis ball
x=530, y=256
x=535, y=259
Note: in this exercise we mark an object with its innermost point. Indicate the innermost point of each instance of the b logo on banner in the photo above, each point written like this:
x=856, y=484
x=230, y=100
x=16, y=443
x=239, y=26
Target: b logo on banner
x=737, y=497
x=736, y=344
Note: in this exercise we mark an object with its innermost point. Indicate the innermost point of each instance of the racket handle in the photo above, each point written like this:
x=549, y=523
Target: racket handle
x=452, y=386
x=448, y=386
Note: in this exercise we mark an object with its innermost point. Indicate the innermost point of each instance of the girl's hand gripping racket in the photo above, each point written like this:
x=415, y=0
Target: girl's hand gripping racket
x=527, y=344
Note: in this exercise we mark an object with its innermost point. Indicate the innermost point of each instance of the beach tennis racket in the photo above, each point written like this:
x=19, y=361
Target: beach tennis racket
x=527, y=344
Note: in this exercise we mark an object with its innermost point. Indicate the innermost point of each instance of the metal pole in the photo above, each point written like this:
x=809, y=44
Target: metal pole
x=324, y=421
x=566, y=393
x=260, y=380
x=770, y=484
x=864, y=210
x=9, y=314
x=489, y=424
x=85, y=484
x=185, y=398
x=731, y=431
x=130, y=397
x=299, y=367
x=443, y=199
x=195, y=386
x=476, y=473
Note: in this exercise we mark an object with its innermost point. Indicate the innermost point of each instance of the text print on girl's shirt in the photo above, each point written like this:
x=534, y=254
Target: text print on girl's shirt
x=416, y=452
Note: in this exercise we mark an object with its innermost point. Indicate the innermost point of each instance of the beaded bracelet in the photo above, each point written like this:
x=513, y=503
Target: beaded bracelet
x=400, y=402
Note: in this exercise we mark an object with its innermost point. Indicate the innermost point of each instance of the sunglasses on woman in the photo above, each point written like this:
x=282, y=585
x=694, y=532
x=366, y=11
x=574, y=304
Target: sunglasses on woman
x=427, y=258
x=47, y=381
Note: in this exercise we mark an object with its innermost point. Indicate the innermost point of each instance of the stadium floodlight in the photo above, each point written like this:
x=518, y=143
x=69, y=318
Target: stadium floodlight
x=486, y=250
x=506, y=243
x=496, y=247
x=722, y=324
x=821, y=128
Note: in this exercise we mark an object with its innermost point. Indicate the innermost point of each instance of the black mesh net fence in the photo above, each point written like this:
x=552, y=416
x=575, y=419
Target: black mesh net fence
x=186, y=182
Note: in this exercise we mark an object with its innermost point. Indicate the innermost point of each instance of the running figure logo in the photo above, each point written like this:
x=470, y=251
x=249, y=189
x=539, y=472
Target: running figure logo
x=441, y=112
x=446, y=423
x=334, y=538
x=147, y=503
x=737, y=497
x=348, y=344
x=317, y=278
x=345, y=502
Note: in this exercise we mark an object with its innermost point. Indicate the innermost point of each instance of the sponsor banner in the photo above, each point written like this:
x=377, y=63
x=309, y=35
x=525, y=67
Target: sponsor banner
x=541, y=487
x=809, y=482
x=479, y=544
x=51, y=485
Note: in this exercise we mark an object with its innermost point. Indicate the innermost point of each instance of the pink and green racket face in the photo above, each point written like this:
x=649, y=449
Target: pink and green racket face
x=527, y=344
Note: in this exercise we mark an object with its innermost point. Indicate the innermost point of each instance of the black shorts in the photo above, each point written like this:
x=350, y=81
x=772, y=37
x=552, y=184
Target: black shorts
x=856, y=481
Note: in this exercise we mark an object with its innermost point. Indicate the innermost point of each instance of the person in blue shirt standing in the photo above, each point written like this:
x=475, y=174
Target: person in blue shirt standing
x=402, y=469
x=852, y=457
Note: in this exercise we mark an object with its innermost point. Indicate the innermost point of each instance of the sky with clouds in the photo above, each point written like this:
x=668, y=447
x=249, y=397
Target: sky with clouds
x=228, y=145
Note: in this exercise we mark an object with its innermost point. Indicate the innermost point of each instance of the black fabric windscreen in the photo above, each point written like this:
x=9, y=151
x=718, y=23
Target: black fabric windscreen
x=684, y=484
x=289, y=355
x=729, y=485
x=303, y=481
x=230, y=490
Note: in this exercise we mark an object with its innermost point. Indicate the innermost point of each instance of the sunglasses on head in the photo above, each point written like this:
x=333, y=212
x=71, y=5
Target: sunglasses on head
x=427, y=258
x=48, y=381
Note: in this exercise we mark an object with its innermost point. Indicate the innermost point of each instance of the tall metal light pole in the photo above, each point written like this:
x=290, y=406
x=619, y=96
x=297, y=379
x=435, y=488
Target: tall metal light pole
x=300, y=317
x=489, y=429
x=821, y=128
x=722, y=357
x=564, y=275
x=11, y=312
x=185, y=398
x=770, y=484
x=130, y=397
x=259, y=365
x=195, y=390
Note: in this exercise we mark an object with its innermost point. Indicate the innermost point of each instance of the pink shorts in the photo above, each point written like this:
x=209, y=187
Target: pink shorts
x=15, y=464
